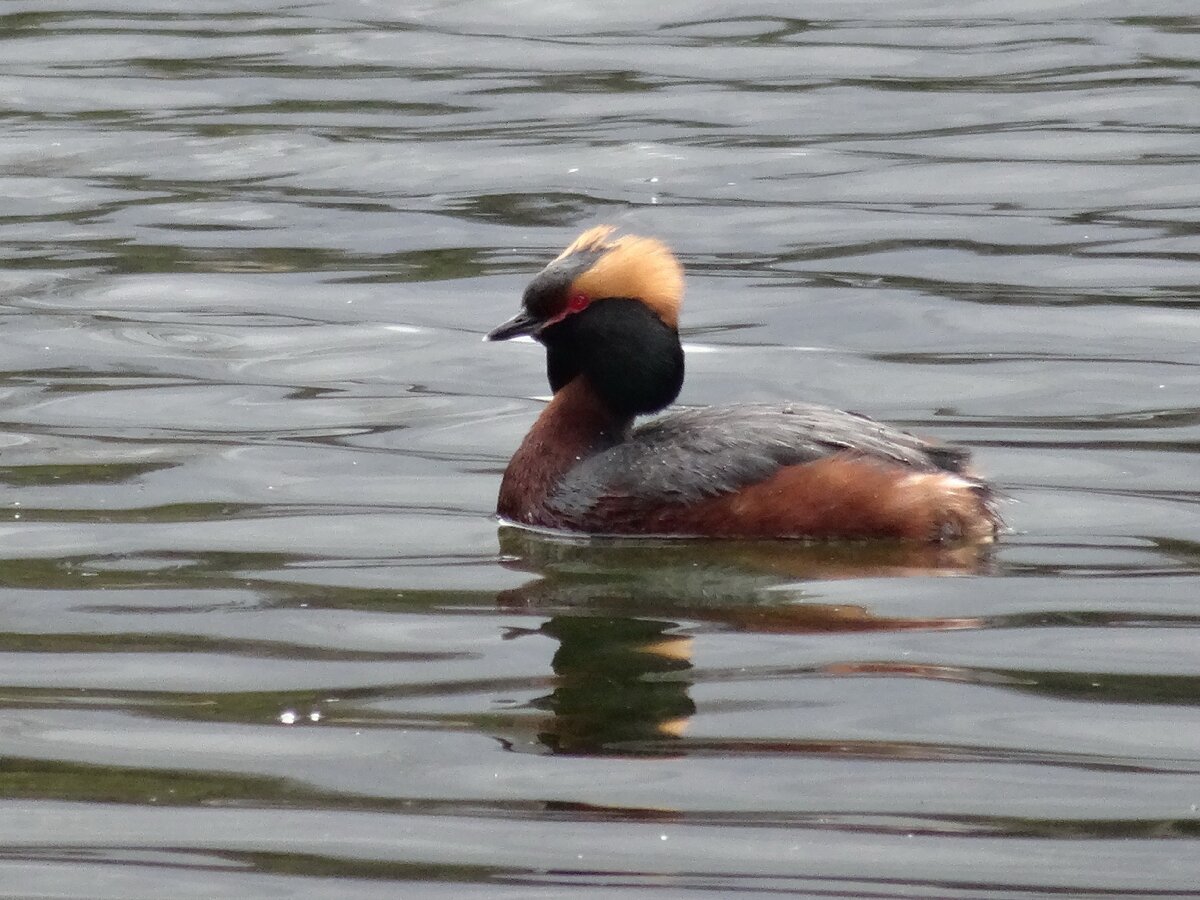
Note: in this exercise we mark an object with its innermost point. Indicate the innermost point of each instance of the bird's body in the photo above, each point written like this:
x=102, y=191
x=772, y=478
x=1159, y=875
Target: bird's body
x=606, y=311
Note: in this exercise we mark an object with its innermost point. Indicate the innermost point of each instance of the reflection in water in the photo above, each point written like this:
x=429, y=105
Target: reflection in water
x=733, y=583
x=551, y=553
x=620, y=685
x=610, y=695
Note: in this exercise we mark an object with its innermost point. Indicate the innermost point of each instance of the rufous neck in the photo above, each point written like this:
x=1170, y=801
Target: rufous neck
x=574, y=425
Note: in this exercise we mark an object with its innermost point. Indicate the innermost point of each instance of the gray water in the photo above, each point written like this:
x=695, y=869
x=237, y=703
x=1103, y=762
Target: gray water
x=260, y=634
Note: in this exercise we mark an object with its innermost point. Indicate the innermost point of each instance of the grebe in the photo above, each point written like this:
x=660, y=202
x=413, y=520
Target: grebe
x=607, y=311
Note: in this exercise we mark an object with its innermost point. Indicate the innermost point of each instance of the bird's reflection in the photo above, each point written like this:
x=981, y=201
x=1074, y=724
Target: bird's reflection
x=615, y=607
x=619, y=687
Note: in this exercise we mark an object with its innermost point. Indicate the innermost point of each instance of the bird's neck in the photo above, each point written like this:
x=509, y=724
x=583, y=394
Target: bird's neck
x=575, y=424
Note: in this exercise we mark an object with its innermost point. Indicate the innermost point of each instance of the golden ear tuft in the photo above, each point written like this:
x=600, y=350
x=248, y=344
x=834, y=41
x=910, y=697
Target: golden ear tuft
x=631, y=266
x=591, y=241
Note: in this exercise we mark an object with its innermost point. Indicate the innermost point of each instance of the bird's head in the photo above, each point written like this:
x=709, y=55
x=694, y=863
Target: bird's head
x=597, y=267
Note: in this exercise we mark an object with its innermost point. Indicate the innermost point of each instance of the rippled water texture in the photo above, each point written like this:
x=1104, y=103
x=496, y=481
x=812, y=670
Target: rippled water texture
x=262, y=638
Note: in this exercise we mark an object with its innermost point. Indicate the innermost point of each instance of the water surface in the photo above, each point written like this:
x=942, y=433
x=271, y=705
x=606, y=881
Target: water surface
x=260, y=634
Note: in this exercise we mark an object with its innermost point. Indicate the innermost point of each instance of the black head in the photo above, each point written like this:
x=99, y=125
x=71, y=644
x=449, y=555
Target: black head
x=607, y=309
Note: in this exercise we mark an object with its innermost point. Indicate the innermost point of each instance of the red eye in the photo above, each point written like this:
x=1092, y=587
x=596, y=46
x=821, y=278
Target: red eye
x=578, y=301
